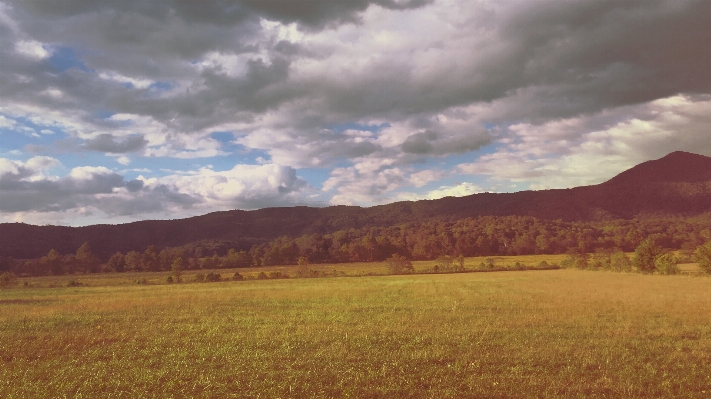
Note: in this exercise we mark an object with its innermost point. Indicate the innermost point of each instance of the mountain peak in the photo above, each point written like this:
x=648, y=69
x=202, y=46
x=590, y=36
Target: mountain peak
x=675, y=167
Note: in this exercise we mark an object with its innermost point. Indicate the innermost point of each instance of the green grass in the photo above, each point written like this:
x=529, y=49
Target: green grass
x=556, y=333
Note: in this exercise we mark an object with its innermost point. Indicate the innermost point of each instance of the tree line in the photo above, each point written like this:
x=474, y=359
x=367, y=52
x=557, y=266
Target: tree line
x=481, y=236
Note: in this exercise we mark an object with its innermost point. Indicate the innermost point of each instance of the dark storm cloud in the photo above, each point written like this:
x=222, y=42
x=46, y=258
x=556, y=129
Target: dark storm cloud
x=107, y=143
x=312, y=13
x=574, y=57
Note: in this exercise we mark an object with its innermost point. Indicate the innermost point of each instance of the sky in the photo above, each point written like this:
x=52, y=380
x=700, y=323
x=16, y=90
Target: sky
x=114, y=111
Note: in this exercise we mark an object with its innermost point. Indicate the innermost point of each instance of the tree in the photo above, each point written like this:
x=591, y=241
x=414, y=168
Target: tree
x=460, y=263
x=133, y=262
x=666, y=264
x=117, y=263
x=646, y=255
x=303, y=269
x=53, y=263
x=8, y=279
x=619, y=262
x=702, y=255
x=445, y=263
x=398, y=264
x=177, y=269
x=150, y=259
x=88, y=262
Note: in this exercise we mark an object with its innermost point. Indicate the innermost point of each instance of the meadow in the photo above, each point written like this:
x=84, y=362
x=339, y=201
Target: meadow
x=549, y=333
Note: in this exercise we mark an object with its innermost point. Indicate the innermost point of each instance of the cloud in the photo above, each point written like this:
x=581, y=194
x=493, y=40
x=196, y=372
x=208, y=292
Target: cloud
x=107, y=143
x=244, y=186
x=459, y=190
x=593, y=148
x=25, y=187
x=32, y=49
x=370, y=93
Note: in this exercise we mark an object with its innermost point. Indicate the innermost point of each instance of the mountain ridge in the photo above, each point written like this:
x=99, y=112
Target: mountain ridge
x=677, y=184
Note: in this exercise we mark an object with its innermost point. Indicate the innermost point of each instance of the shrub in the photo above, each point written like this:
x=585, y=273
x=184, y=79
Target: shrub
x=237, y=277
x=199, y=278
x=8, y=279
x=169, y=279
x=262, y=276
x=277, y=274
x=213, y=277
x=142, y=281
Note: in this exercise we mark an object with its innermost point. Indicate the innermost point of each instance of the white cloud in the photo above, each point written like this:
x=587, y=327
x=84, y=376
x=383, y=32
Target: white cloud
x=32, y=49
x=7, y=123
x=88, y=172
x=249, y=186
x=138, y=83
x=591, y=149
x=460, y=190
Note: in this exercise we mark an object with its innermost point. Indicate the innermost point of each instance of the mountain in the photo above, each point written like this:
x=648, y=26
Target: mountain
x=677, y=184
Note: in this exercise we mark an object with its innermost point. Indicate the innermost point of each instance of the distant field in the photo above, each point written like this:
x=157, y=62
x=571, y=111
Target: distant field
x=554, y=333
x=337, y=269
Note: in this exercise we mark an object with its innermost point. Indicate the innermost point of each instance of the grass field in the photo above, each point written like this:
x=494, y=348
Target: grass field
x=554, y=333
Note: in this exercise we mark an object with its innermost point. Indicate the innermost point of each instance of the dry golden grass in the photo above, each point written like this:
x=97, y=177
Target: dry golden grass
x=557, y=333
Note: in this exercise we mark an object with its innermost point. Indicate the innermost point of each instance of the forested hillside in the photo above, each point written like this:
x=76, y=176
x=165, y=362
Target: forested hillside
x=674, y=188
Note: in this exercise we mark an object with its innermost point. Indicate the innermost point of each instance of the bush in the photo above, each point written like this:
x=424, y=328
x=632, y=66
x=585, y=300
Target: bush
x=169, y=279
x=8, y=279
x=276, y=275
x=213, y=277
x=142, y=281
x=237, y=277
x=262, y=276
x=199, y=278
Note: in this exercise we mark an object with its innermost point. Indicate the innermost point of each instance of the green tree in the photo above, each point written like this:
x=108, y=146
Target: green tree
x=646, y=255
x=133, y=262
x=53, y=262
x=620, y=262
x=177, y=269
x=88, y=262
x=117, y=263
x=702, y=255
x=666, y=264
x=150, y=259
x=303, y=267
x=8, y=279
x=460, y=263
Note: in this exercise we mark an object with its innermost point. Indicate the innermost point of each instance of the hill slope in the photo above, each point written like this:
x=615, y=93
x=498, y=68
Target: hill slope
x=679, y=184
